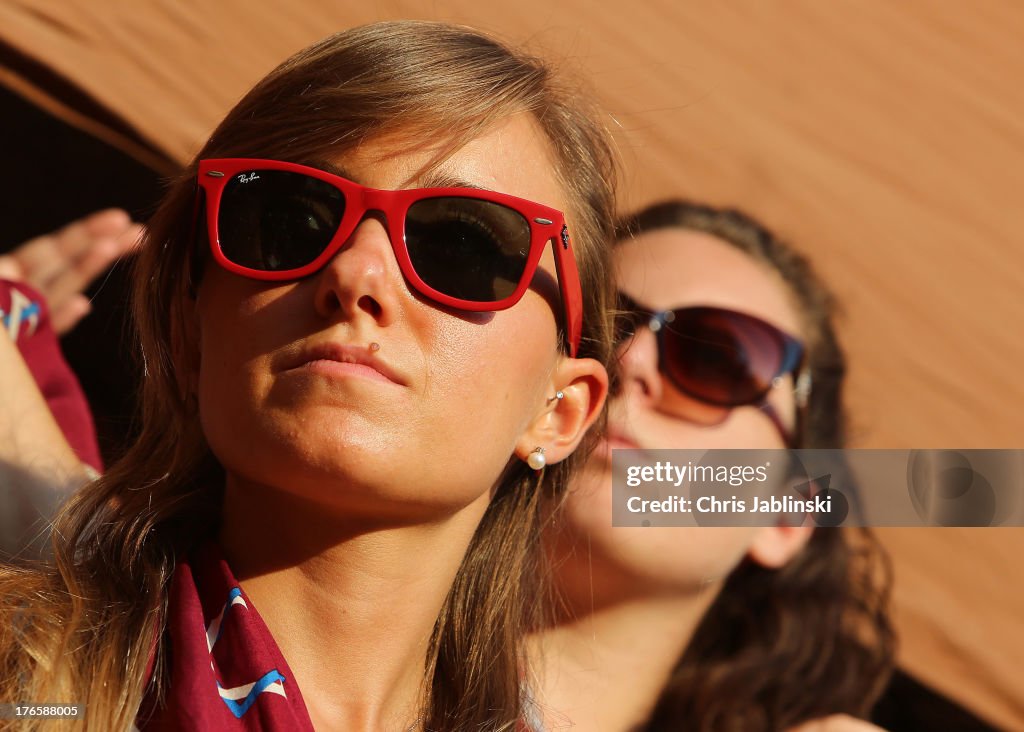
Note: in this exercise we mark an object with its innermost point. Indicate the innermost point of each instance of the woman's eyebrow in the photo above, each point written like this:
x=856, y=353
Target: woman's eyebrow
x=329, y=167
x=441, y=179
x=430, y=179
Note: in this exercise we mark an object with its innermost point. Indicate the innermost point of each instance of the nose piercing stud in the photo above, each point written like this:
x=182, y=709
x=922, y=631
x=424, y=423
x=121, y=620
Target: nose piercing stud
x=374, y=347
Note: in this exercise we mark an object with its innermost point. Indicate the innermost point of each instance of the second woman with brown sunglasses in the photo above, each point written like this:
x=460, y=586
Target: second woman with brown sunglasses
x=713, y=629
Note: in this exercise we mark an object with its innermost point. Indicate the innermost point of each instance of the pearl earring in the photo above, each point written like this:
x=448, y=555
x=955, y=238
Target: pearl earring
x=536, y=459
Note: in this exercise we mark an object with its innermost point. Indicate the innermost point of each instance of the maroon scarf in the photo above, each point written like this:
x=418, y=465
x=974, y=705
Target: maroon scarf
x=227, y=673
x=26, y=319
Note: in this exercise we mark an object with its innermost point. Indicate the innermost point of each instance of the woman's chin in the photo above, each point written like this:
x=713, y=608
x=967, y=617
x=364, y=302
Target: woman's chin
x=352, y=487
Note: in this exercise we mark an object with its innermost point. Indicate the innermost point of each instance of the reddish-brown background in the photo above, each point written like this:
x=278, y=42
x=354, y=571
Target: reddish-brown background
x=884, y=139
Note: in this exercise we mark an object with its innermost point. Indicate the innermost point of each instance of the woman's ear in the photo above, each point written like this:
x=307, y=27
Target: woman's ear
x=579, y=387
x=774, y=546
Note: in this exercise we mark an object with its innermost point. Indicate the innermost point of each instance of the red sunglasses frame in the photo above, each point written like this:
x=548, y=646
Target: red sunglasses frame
x=546, y=225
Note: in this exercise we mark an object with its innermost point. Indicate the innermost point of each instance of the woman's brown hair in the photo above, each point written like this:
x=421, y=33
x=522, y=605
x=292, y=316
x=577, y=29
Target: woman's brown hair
x=779, y=647
x=87, y=628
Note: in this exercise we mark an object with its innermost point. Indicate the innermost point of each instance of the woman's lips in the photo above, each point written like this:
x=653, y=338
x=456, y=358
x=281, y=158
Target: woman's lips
x=615, y=440
x=619, y=443
x=339, y=360
x=620, y=439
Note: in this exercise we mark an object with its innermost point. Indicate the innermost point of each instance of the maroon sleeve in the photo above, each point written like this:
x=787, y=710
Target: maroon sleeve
x=25, y=319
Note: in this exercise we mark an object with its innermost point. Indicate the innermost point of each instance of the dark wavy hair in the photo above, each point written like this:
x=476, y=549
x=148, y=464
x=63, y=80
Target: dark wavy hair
x=779, y=647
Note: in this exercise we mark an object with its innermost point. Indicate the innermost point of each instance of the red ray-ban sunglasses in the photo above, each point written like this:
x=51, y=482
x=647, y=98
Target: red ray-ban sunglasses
x=465, y=248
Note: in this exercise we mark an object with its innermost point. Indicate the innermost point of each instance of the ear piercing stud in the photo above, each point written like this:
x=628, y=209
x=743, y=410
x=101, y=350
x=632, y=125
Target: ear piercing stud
x=536, y=459
x=559, y=395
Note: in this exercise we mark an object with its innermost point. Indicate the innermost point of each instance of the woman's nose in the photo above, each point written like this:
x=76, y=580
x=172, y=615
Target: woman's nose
x=638, y=364
x=363, y=276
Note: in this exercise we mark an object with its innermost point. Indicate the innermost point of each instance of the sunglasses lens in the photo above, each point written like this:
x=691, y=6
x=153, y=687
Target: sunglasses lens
x=467, y=248
x=275, y=220
x=721, y=357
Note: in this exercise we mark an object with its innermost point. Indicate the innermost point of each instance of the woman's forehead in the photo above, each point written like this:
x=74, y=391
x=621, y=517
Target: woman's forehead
x=511, y=156
x=672, y=267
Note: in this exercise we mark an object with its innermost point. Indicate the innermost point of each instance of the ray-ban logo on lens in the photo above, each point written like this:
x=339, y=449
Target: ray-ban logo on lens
x=247, y=177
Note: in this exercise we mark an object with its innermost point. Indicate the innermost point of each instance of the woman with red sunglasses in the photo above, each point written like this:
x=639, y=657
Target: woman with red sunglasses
x=368, y=365
x=727, y=342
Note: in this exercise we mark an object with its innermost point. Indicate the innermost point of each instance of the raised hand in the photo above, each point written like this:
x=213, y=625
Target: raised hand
x=61, y=265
